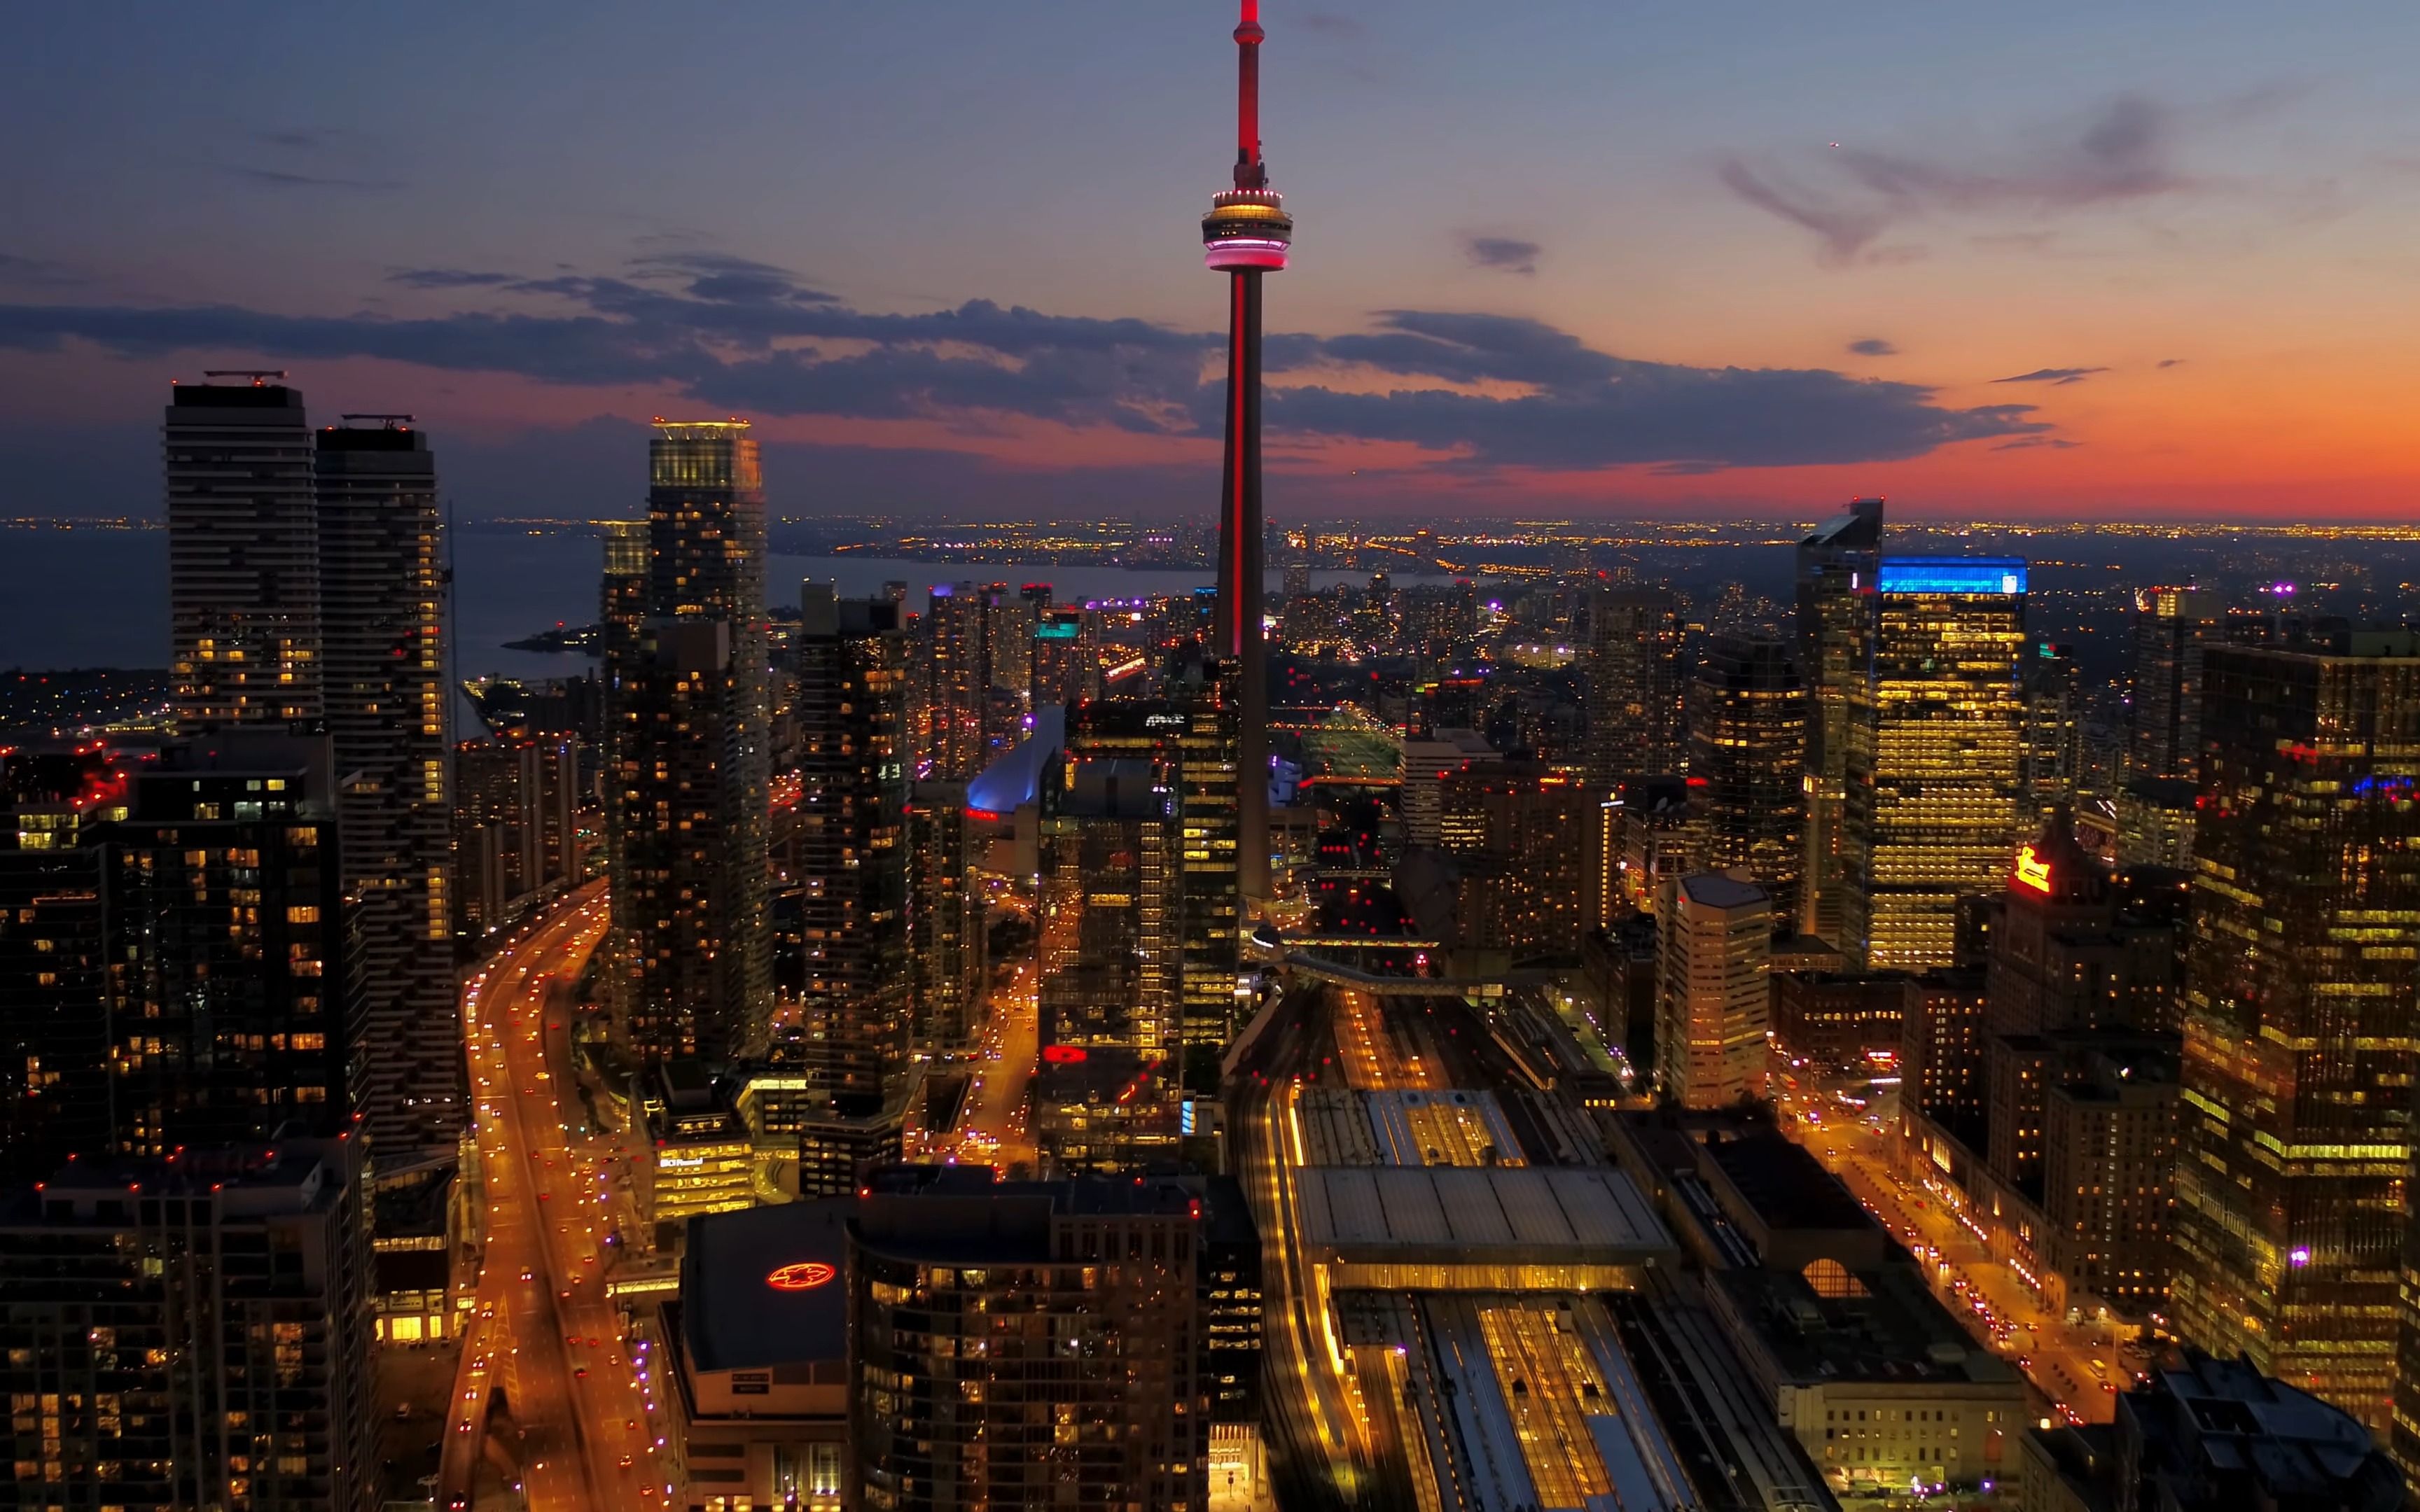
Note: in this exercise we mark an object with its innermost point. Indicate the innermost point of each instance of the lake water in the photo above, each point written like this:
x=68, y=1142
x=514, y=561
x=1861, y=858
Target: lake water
x=100, y=598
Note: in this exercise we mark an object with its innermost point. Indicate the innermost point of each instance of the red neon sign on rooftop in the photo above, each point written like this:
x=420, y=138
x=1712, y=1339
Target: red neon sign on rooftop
x=800, y=1275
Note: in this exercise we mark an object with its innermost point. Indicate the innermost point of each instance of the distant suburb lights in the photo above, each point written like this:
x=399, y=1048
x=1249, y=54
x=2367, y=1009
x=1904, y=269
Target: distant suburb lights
x=800, y=1275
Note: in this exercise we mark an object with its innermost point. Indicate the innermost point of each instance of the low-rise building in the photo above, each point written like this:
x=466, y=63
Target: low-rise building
x=757, y=1346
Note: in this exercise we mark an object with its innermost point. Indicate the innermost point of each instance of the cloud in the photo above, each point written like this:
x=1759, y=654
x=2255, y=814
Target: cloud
x=299, y=138
x=749, y=337
x=1591, y=409
x=281, y=178
x=2122, y=152
x=41, y=270
x=449, y=278
x=1874, y=347
x=2172, y=362
x=1504, y=253
x=2052, y=374
x=2027, y=442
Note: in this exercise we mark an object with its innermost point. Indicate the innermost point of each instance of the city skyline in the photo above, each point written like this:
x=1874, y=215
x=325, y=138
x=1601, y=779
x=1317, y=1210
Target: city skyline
x=1994, y=296
x=538, y=974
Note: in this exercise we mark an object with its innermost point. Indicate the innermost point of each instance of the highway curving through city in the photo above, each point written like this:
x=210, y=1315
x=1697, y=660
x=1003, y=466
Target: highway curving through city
x=550, y=1395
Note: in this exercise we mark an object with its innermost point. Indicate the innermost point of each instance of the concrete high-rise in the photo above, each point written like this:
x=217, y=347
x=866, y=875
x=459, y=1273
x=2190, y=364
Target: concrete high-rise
x=1931, y=813
x=193, y=1331
x=693, y=751
x=967, y=722
x=1246, y=234
x=1634, y=685
x=244, y=554
x=1189, y=741
x=851, y=867
x=1712, y=990
x=178, y=975
x=1100, y=1304
x=2301, y=1034
x=383, y=668
x=1748, y=758
x=1834, y=644
x=947, y=949
x=2172, y=629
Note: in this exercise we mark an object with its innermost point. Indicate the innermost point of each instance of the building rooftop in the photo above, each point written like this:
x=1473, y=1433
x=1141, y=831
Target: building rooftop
x=1480, y=1215
x=1713, y=889
x=1784, y=1186
x=1016, y=779
x=1891, y=1331
x=749, y=1295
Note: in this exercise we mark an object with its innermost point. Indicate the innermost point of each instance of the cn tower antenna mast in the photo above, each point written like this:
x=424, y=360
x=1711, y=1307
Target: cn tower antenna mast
x=1246, y=234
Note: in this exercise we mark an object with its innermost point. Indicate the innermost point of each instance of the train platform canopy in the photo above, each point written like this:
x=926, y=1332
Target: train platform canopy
x=1452, y=1227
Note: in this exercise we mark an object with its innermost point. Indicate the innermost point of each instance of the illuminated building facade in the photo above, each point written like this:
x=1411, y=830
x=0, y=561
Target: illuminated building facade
x=1188, y=742
x=1834, y=645
x=622, y=614
x=244, y=554
x=1099, y=1376
x=515, y=826
x=1519, y=836
x=1713, y=993
x=850, y=858
x=2173, y=627
x=1932, y=814
x=1748, y=756
x=1634, y=682
x=180, y=975
x=2050, y=761
x=968, y=717
x=2302, y=1032
x=947, y=945
x=383, y=668
x=195, y=1330
x=1941, y=1057
x=1066, y=655
x=694, y=754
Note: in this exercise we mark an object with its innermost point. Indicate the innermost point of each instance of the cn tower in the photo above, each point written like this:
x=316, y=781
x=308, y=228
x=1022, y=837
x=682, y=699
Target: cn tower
x=1246, y=234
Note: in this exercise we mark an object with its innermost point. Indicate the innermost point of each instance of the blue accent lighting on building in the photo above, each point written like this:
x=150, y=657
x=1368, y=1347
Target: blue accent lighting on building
x=1951, y=574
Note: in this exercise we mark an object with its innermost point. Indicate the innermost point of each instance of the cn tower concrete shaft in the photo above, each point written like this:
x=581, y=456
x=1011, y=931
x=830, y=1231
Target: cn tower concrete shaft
x=1246, y=234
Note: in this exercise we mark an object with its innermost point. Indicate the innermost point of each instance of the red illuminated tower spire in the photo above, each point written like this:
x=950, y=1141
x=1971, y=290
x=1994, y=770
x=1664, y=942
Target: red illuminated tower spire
x=1246, y=234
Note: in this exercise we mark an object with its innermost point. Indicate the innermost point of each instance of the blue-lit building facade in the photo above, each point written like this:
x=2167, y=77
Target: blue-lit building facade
x=1932, y=773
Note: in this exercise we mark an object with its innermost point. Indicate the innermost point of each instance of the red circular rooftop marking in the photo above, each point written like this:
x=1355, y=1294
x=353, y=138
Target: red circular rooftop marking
x=802, y=1275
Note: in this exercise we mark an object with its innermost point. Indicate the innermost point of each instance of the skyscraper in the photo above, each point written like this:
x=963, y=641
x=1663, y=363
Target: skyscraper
x=1931, y=813
x=2172, y=627
x=1110, y=916
x=1634, y=683
x=621, y=614
x=852, y=865
x=1747, y=757
x=2050, y=760
x=383, y=670
x=1188, y=741
x=193, y=1331
x=1246, y=234
x=2303, y=1013
x=243, y=553
x=694, y=754
x=177, y=974
x=1094, y=1384
x=1713, y=992
x=948, y=948
x=967, y=723
x=1835, y=641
